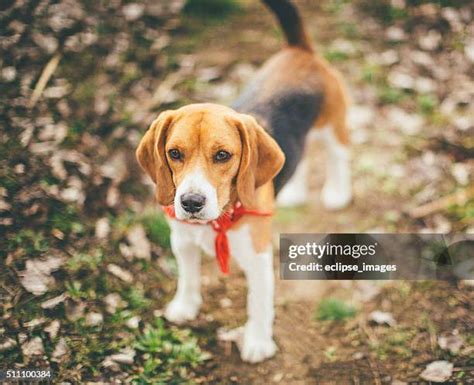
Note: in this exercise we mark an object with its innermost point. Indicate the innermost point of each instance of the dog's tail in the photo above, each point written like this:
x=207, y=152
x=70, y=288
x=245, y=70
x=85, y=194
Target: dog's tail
x=291, y=23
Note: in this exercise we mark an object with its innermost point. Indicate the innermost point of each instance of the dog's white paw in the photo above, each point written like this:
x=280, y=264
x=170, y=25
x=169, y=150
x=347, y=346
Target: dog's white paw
x=181, y=310
x=291, y=197
x=257, y=348
x=335, y=198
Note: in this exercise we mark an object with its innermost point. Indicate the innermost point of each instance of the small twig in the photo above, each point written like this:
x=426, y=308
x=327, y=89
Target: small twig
x=373, y=341
x=164, y=89
x=432, y=333
x=44, y=78
x=375, y=372
x=459, y=197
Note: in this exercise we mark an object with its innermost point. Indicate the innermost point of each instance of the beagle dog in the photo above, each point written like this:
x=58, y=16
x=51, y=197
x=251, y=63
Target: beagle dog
x=210, y=162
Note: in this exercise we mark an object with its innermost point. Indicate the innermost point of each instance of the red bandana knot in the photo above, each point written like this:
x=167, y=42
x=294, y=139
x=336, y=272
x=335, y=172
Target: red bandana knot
x=220, y=226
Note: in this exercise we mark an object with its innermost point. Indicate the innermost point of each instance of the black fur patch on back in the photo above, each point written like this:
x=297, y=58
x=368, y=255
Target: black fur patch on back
x=287, y=117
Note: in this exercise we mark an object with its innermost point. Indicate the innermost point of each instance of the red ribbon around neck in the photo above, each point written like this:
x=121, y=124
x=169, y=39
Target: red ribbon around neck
x=220, y=226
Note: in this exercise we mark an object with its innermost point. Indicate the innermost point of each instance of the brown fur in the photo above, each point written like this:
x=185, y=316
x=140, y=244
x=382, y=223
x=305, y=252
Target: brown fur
x=300, y=67
x=304, y=70
x=198, y=131
x=152, y=158
x=261, y=159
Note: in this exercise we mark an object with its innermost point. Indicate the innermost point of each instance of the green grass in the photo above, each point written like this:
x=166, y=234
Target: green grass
x=371, y=73
x=463, y=214
x=213, y=9
x=288, y=214
x=349, y=29
x=86, y=261
x=383, y=11
x=397, y=342
x=389, y=95
x=427, y=103
x=168, y=354
x=136, y=298
x=335, y=55
x=333, y=309
x=157, y=229
x=32, y=243
x=335, y=6
x=74, y=289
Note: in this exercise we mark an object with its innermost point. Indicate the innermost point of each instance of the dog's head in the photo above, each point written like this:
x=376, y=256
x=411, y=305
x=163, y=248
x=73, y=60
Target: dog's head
x=202, y=156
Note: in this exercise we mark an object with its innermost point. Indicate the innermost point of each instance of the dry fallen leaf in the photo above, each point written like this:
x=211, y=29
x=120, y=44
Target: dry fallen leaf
x=395, y=34
x=33, y=347
x=451, y=343
x=94, y=319
x=22, y=337
x=102, y=228
x=469, y=50
x=437, y=371
x=133, y=11
x=58, y=158
x=34, y=322
x=53, y=328
x=115, y=168
x=113, y=302
x=401, y=80
x=113, y=196
x=75, y=310
x=133, y=322
x=125, y=356
x=7, y=344
x=139, y=243
x=74, y=193
x=4, y=205
x=119, y=272
x=36, y=278
x=461, y=173
x=430, y=41
x=409, y=124
x=361, y=116
x=60, y=351
x=53, y=302
x=110, y=364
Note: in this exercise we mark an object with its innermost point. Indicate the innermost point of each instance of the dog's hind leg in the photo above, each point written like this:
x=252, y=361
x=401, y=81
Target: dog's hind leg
x=187, y=300
x=337, y=190
x=295, y=191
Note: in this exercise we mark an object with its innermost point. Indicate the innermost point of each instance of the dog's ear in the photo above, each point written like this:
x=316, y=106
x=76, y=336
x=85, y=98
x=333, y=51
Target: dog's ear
x=152, y=158
x=261, y=159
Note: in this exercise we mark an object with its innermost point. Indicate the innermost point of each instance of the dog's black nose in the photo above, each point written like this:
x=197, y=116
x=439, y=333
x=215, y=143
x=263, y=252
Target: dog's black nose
x=192, y=203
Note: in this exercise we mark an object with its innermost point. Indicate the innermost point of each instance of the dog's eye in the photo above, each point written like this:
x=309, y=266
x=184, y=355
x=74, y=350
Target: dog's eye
x=175, y=154
x=222, y=156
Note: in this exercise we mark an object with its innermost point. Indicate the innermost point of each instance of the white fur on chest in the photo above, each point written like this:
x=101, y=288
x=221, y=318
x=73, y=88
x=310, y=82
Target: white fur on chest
x=203, y=237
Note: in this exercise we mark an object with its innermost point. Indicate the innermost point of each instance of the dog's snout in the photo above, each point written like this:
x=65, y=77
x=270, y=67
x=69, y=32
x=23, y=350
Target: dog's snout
x=193, y=203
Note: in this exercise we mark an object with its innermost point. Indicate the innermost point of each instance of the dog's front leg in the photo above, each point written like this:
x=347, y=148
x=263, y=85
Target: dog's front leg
x=258, y=341
x=187, y=300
